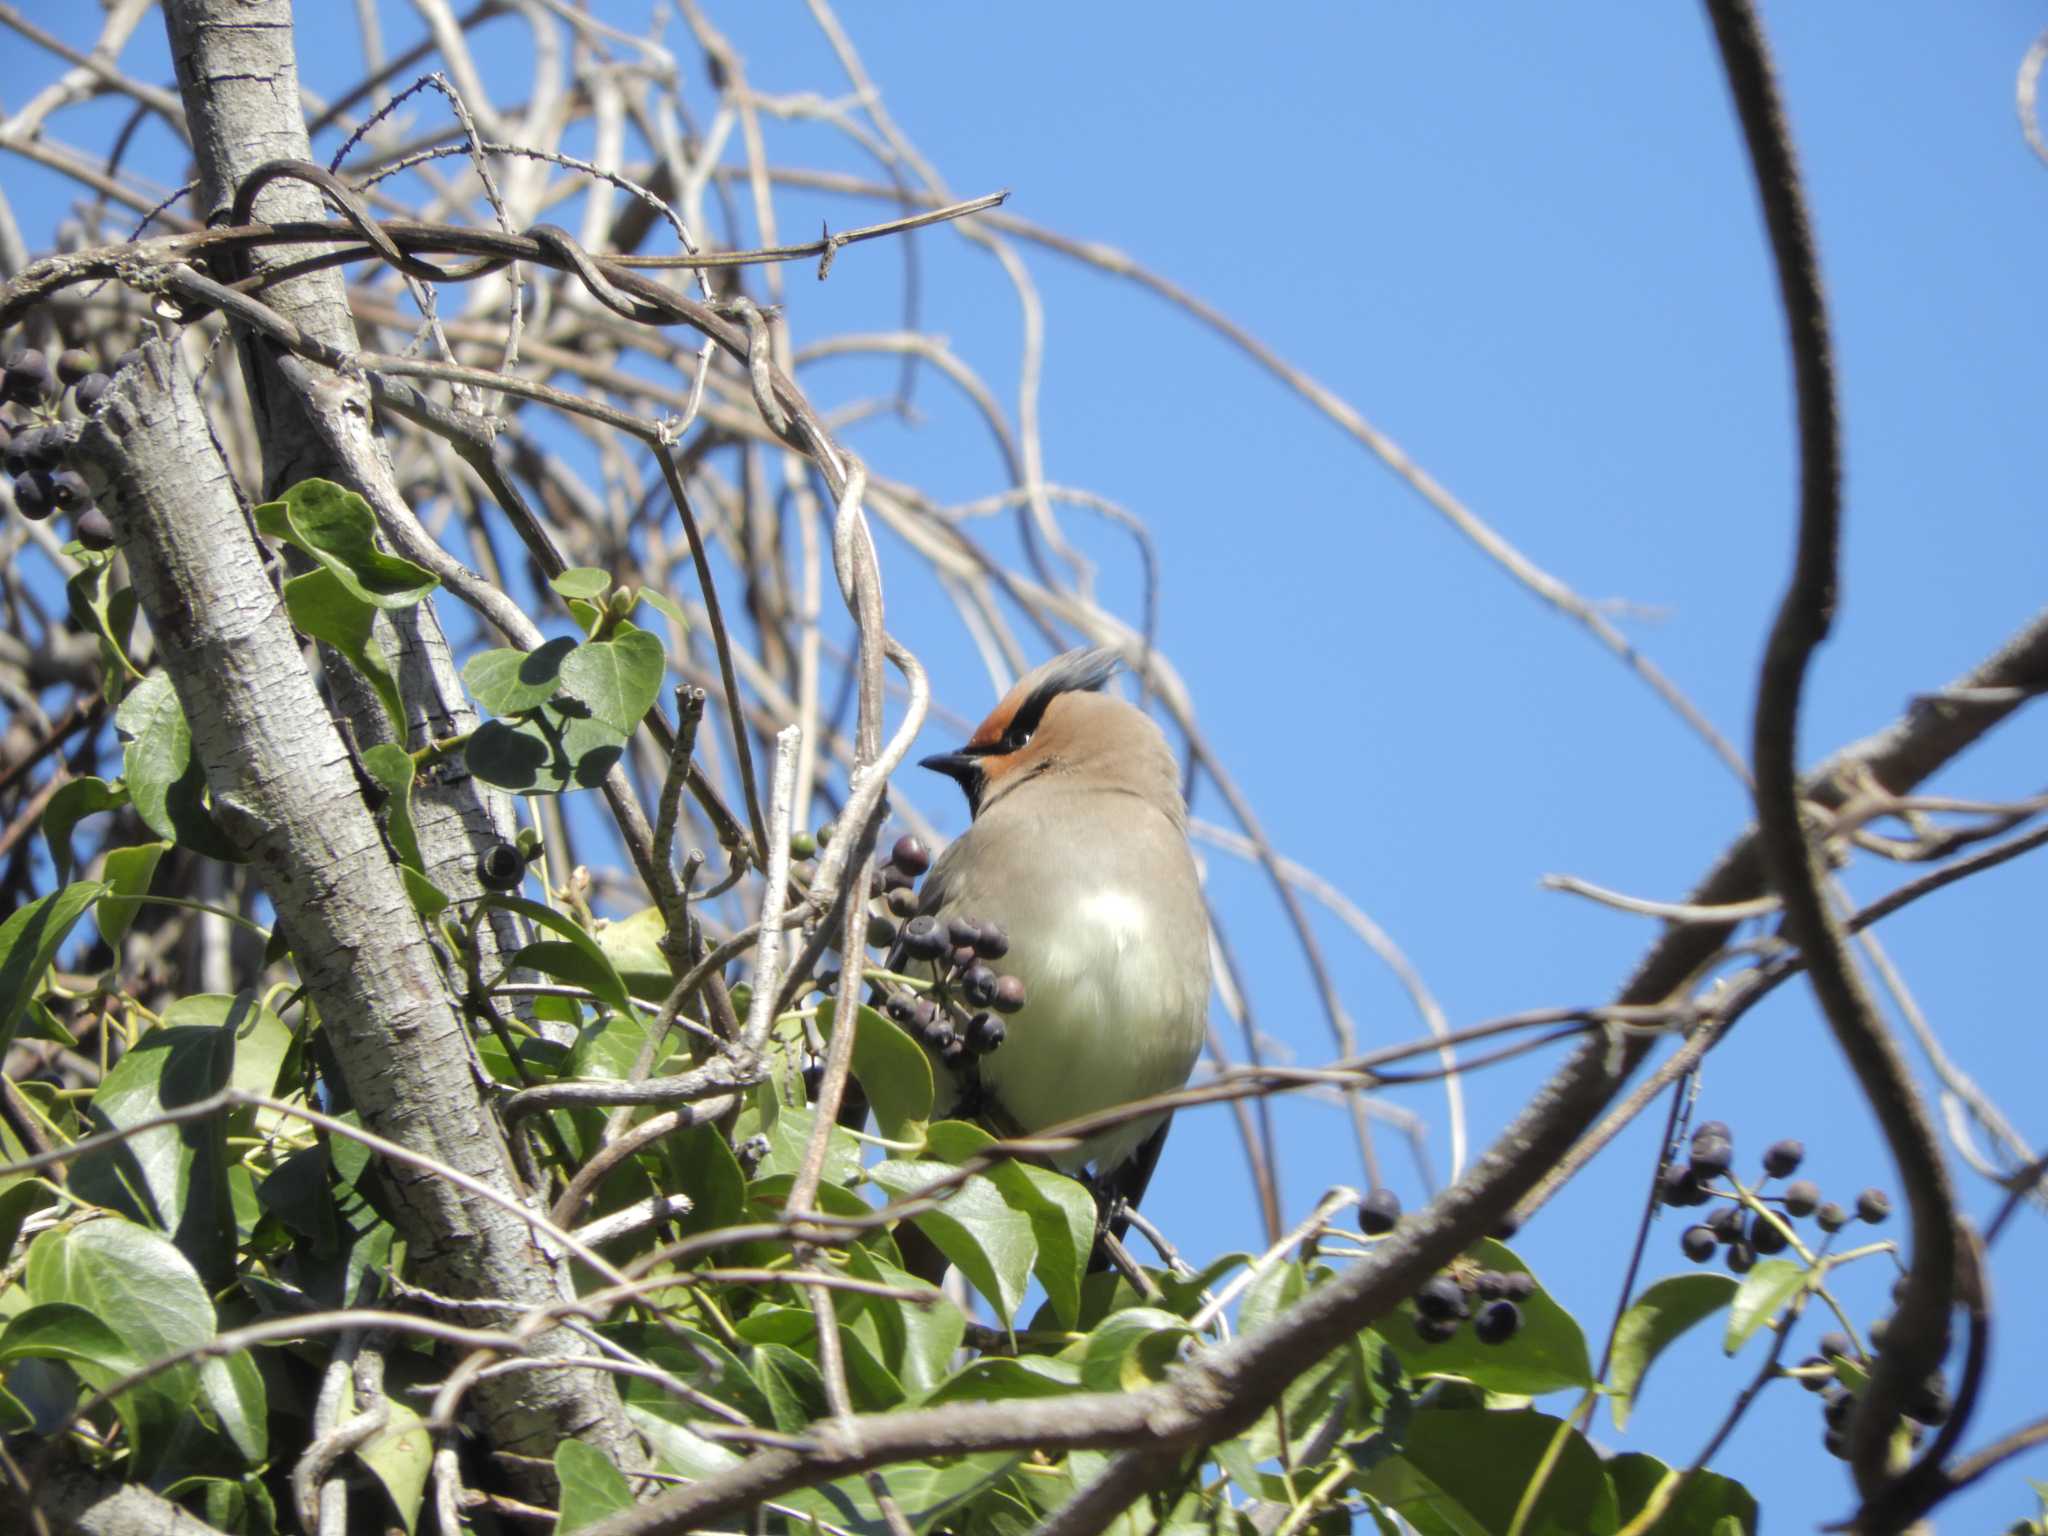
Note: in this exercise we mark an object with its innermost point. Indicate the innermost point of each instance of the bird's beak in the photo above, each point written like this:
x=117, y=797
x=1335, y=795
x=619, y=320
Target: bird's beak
x=961, y=767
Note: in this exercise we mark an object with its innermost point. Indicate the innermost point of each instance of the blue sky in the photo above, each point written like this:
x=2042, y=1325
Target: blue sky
x=1522, y=241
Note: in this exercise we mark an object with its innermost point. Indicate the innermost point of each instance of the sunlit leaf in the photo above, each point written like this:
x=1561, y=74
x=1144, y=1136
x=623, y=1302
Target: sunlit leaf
x=617, y=679
x=400, y=1456
x=336, y=527
x=29, y=941
x=1663, y=1312
x=166, y=785
x=1707, y=1500
x=321, y=605
x=892, y=1070
x=1765, y=1289
x=506, y=681
x=591, y=1486
x=585, y=581
x=975, y=1228
x=128, y=873
x=71, y=804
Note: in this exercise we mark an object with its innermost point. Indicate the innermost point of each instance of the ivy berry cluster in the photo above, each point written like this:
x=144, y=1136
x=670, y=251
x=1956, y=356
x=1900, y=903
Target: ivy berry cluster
x=1925, y=1407
x=962, y=1014
x=41, y=405
x=1490, y=1298
x=1745, y=1233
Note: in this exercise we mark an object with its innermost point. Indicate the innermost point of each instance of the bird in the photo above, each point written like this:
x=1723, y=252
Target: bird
x=1077, y=853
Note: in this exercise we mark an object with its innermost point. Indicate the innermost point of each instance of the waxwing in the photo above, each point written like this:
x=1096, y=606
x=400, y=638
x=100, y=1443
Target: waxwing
x=1078, y=849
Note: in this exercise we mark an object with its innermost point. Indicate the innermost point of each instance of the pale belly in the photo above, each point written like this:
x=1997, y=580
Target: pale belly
x=1115, y=1011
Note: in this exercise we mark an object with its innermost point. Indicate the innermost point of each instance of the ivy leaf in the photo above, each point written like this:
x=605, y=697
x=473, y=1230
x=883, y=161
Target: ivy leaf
x=321, y=605
x=70, y=805
x=916, y=1341
x=591, y=1486
x=1465, y=1470
x=975, y=1227
x=923, y=1493
x=109, y=614
x=338, y=529
x=892, y=1070
x=668, y=608
x=617, y=679
x=507, y=681
x=634, y=946
x=1707, y=1500
x=29, y=941
x=172, y=1177
x=588, y=582
x=149, y=1295
x=1132, y=1349
x=393, y=767
x=1765, y=1289
x=1663, y=1312
x=590, y=970
x=165, y=782
x=400, y=1457
x=128, y=873
x=547, y=753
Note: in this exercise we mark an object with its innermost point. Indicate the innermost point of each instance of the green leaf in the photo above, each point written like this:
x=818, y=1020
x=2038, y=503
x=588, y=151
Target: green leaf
x=70, y=805
x=789, y=1137
x=996, y=1378
x=610, y=989
x=634, y=947
x=1765, y=1289
x=1663, y=1312
x=546, y=753
x=337, y=528
x=1062, y=1215
x=696, y=1359
x=702, y=1166
x=1466, y=1470
x=400, y=1457
x=617, y=679
x=1707, y=1500
x=321, y=605
x=128, y=873
x=1547, y=1354
x=591, y=1486
x=572, y=965
x=1132, y=1349
x=916, y=1341
x=924, y=1493
x=792, y=1385
x=975, y=1228
x=108, y=613
x=668, y=608
x=29, y=941
x=233, y=1388
x=172, y=1177
x=588, y=582
x=166, y=785
x=149, y=1294
x=893, y=1070
x=392, y=767
x=61, y=1330
x=509, y=682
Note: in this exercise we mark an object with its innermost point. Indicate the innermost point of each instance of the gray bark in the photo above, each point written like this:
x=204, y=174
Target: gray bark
x=238, y=73
x=285, y=792
x=77, y=1501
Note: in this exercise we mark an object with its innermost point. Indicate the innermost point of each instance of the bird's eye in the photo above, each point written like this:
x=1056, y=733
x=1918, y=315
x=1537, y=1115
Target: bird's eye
x=1017, y=738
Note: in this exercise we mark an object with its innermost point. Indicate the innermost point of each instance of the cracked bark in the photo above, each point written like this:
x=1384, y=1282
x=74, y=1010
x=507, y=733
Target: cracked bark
x=238, y=75
x=287, y=794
